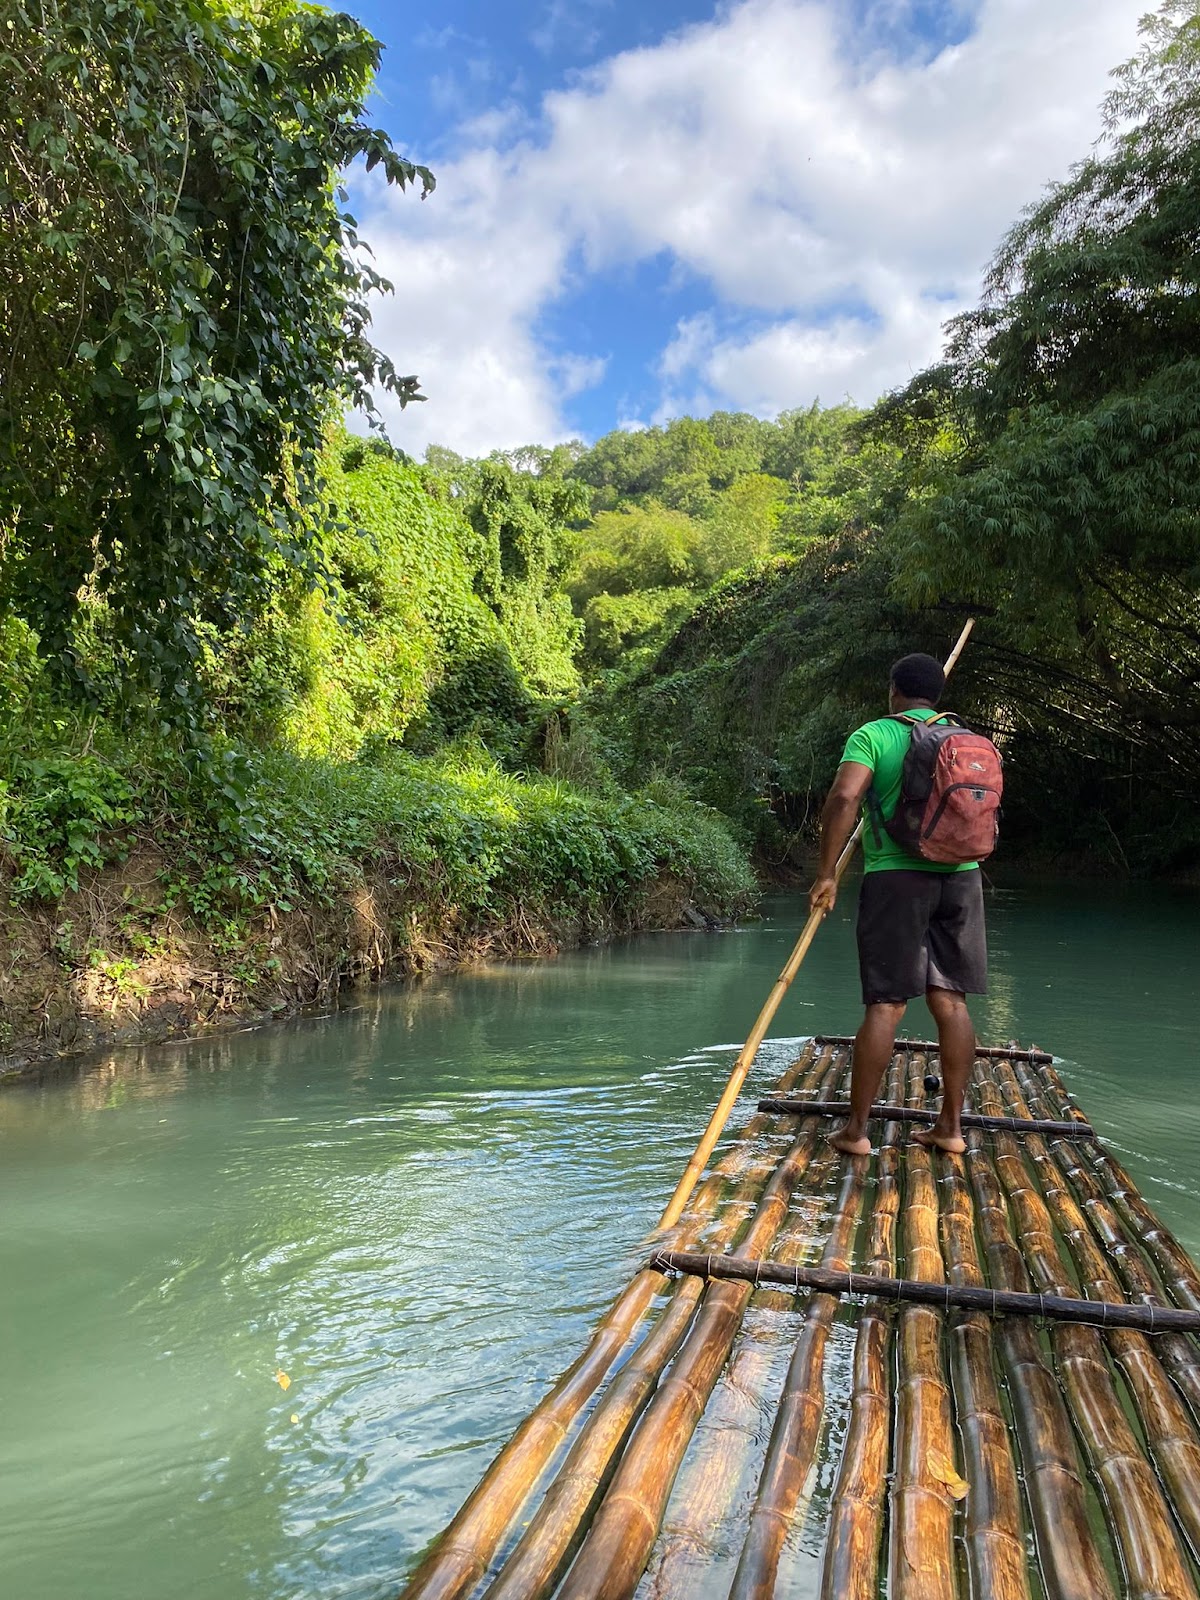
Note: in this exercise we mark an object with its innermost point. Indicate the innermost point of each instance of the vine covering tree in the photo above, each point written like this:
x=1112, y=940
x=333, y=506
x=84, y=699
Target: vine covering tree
x=184, y=309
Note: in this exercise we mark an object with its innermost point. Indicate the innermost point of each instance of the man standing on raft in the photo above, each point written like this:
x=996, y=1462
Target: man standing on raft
x=920, y=922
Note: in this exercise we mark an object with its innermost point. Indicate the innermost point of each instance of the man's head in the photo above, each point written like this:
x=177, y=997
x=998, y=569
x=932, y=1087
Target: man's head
x=915, y=680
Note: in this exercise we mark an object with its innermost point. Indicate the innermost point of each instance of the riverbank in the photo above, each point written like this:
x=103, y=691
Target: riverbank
x=338, y=875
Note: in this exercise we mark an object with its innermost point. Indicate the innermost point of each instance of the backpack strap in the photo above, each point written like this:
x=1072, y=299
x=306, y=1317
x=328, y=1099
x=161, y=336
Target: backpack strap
x=910, y=721
x=871, y=800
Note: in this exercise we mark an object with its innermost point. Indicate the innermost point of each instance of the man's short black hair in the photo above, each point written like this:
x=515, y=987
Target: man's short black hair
x=919, y=677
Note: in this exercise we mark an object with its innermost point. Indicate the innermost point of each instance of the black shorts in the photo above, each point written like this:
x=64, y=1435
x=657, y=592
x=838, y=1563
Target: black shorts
x=921, y=930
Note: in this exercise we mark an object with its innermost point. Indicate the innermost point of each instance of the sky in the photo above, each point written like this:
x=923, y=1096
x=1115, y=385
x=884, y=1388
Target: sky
x=655, y=208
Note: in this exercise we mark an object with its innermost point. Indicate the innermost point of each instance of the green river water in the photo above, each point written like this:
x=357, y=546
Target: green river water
x=417, y=1208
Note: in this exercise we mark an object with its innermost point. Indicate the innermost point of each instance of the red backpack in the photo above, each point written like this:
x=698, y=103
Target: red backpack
x=950, y=791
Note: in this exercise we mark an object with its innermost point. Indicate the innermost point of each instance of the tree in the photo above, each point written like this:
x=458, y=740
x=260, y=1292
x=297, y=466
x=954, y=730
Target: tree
x=184, y=310
x=639, y=547
x=1067, y=493
x=740, y=524
x=520, y=549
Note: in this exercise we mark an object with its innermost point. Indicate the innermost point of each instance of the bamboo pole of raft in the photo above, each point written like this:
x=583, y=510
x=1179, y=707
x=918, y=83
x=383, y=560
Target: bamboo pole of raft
x=800, y=1411
x=792, y=1106
x=715, y=1479
x=745, y=1056
x=850, y=1562
x=618, y=1544
x=1137, y=1515
x=922, y=1511
x=994, y=1534
x=1166, y=1424
x=1177, y=1354
x=540, y=1555
x=460, y=1557
x=1068, y=1558
x=1176, y=1267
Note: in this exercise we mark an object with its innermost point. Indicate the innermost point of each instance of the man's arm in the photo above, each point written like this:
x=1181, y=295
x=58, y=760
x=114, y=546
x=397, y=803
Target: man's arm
x=837, y=824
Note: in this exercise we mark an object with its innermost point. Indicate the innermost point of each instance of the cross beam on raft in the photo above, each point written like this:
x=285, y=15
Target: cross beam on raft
x=930, y=1047
x=945, y=1296
x=970, y=1119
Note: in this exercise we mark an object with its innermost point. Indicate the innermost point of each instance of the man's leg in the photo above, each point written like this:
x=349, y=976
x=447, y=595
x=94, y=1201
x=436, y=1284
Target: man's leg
x=873, y=1046
x=956, y=1043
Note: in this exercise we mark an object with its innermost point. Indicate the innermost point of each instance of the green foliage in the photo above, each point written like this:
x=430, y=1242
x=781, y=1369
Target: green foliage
x=1045, y=476
x=637, y=548
x=616, y=624
x=64, y=813
x=521, y=551
x=440, y=618
x=223, y=617
x=740, y=524
x=1056, y=449
x=677, y=508
x=184, y=306
x=748, y=703
x=465, y=838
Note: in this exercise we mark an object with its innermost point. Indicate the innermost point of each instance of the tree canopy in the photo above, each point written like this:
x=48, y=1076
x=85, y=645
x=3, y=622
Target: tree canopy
x=1066, y=492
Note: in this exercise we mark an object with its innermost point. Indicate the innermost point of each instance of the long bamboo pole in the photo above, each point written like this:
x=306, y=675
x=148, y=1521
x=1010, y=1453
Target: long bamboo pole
x=850, y=1564
x=706, y=1510
x=1069, y=1561
x=921, y=1557
x=745, y=1056
x=930, y=1047
x=1177, y=1268
x=1137, y=1515
x=993, y=1531
x=1176, y=1352
x=618, y=1544
x=1165, y=1422
x=460, y=1557
x=539, y=1557
x=800, y=1411
x=1053, y=1307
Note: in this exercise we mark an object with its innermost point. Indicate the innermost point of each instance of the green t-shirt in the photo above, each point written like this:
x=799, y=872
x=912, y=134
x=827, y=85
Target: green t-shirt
x=882, y=746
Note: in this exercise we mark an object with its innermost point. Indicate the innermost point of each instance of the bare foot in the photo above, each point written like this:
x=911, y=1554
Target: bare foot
x=952, y=1143
x=845, y=1142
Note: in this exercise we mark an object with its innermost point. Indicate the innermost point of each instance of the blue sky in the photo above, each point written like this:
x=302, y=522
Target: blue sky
x=651, y=209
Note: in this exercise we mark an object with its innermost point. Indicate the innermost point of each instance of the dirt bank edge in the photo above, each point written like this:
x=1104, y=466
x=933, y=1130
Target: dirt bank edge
x=97, y=969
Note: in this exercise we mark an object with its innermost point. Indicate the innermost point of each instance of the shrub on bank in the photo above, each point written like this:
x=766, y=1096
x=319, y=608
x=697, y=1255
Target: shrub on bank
x=246, y=836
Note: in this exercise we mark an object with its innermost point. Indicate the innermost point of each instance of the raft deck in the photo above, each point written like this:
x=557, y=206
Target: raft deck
x=981, y=1452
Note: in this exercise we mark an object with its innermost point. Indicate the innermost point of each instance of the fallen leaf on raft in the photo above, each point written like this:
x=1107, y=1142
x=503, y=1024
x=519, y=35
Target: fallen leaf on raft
x=282, y=1379
x=942, y=1468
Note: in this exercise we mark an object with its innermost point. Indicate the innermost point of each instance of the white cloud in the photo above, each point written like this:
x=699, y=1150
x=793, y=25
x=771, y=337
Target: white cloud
x=839, y=205
x=569, y=25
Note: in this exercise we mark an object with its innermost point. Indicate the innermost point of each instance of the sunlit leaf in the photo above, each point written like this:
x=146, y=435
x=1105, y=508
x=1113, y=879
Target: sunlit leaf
x=942, y=1468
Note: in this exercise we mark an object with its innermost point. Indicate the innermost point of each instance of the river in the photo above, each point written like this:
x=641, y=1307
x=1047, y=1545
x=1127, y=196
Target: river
x=415, y=1210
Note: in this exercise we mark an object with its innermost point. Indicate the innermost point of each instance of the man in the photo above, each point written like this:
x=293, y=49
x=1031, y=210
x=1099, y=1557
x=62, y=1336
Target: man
x=920, y=924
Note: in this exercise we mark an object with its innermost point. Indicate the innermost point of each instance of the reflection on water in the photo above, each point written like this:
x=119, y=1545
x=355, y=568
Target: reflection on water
x=416, y=1209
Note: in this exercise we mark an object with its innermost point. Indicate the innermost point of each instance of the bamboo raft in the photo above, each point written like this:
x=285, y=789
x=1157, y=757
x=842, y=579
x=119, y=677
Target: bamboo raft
x=912, y=1374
